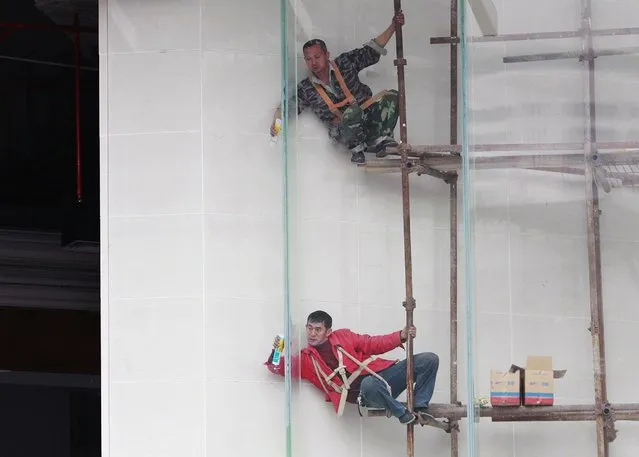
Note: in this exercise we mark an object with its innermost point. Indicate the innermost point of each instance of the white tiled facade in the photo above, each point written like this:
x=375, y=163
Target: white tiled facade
x=192, y=226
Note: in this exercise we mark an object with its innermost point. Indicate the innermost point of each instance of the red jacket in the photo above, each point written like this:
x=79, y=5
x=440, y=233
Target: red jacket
x=359, y=346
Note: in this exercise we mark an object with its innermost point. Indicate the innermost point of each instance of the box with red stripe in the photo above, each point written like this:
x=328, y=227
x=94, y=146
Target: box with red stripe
x=504, y=388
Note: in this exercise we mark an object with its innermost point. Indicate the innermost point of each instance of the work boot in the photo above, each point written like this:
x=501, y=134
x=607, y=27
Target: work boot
x=380, y=144
x=357, y=154
x=358, y=157
x=407, y=418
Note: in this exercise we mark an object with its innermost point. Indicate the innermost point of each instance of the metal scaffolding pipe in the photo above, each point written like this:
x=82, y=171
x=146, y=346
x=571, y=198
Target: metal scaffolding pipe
x=454, y=437
x=454, y=74
x=418, y=150
x=453, y=162
x=626, y=412
x=535, y=36
x=409, y=303
x=569, y=55
x=430, y=158
x=592, y=226
x=454, y=119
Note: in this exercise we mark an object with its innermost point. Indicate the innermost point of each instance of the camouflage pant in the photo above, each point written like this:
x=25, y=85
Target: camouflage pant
x=360, y=127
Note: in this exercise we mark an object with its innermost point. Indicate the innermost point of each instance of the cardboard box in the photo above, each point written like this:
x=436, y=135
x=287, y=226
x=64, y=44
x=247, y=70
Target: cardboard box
x=539, y=381
x=505, y=388
x=530, y=386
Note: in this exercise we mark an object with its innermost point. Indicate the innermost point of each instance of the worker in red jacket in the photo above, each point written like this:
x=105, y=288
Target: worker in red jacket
x=345, y=365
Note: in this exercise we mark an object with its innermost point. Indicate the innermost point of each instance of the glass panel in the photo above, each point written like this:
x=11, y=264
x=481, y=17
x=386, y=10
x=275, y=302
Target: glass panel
x=293, y=410
x=345, y=220
x=528, y=222
x=541, y=128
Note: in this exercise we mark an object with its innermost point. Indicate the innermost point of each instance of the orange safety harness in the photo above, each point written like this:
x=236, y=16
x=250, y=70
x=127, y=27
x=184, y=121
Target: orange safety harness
x=348, y=96
x=326, y=380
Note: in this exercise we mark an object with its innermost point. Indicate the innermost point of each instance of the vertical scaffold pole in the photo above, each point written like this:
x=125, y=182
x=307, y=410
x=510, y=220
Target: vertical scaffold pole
x=594, y=240
x=454, y=436
x=409, y=303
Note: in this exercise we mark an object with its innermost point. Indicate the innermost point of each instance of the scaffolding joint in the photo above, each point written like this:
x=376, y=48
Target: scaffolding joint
x=452, y=40
x=590, y=56
x=609, y=417
x=451, y=177
x=409, y=304
x=399, y=62
x=403, y=148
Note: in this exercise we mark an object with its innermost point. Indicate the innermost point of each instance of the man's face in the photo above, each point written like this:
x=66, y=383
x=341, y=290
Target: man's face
x=316, y=59
x=316, y=333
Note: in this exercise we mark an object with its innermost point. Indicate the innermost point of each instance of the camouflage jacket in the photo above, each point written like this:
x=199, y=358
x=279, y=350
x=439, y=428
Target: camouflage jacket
x=350, y=63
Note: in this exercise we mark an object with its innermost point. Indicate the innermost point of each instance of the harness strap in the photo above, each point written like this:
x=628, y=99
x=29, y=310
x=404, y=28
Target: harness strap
x=348, y=96
x=346, y=382
x=326, y=379
x=363, y=366
x=342, y=83
x=373, y=99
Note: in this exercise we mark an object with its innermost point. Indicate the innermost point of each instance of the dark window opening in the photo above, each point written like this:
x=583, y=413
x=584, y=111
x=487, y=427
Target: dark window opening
x=49, y=229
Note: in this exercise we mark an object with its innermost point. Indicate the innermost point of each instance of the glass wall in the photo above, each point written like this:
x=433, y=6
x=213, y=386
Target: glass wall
x=550, y=136
x=511, y=253
x=345, y=219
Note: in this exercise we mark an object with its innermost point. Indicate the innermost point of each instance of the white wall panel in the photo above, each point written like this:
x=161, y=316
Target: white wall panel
x=193, y=235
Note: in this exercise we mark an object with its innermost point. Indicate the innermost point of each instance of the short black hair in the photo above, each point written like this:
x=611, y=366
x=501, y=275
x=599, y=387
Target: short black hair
x=314, y=42
x=321, y=317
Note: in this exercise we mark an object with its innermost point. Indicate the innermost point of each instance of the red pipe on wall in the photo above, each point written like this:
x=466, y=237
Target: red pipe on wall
x=10, y=27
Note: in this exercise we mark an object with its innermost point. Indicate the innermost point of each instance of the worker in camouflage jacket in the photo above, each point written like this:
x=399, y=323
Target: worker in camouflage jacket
x=344, y=365
x=354, y=117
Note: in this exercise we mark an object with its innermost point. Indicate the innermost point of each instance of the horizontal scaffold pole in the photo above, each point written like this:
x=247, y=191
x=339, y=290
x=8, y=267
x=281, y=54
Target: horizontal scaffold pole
x=625, y=412
x=448, y=163
x=535, y=36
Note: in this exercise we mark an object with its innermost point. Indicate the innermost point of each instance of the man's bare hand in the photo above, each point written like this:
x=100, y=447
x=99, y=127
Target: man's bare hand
x=398, y=19
x=412, y=331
